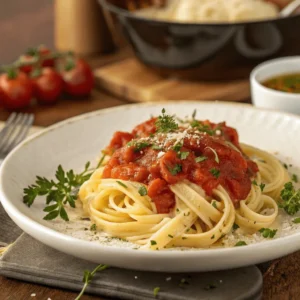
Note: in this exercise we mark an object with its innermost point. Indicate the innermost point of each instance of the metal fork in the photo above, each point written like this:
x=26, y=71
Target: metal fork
x=14, y=131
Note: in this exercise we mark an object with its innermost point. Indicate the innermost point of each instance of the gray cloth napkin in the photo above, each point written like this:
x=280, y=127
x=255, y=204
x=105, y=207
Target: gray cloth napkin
x=32, y=261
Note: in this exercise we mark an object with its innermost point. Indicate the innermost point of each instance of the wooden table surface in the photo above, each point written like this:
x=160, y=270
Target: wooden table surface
x=281, y=280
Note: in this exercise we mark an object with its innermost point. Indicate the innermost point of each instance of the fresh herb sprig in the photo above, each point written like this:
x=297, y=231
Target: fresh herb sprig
x=165, y=123
x=290, y=199
x=59, y=192
x=87, y=278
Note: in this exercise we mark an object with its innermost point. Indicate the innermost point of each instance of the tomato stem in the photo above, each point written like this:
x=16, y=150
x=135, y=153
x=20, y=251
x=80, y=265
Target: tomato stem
x=70, y=64
x=36, y=73
x=11, y=73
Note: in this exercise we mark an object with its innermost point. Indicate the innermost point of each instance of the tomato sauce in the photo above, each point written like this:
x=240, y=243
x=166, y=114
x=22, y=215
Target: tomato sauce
x=208, y=156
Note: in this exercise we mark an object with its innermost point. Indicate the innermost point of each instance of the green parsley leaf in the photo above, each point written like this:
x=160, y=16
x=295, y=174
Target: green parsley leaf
x=217, y=160
x=121, y=184
x=213, y=237
x=156, y=291
x=285, y=165
x=138, y=146
x=262, y=186
x=235, y=226
x=194, y=113
x=290, y=199
x=177, y=147
x=267, y=232
x=215, y=172
x=210, y=286
x=240, y=243
x=87, y=278
x=184, y=155
x=93, y=227
x=202, y=127
x=214, y=203
x=153, y=243
x=142, y=190
x=165, y=123
x=295, y=178
x=61, y=191
x=200, y=159
x=156, y=147
x=296, y=221
x=52, y=215
x=171, y=236
x=183, y=282
x=175, y=170
x=254, y=182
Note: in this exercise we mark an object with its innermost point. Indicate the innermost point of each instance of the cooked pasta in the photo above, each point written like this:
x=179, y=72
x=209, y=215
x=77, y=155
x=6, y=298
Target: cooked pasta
x=213, y=10
x=184, y=185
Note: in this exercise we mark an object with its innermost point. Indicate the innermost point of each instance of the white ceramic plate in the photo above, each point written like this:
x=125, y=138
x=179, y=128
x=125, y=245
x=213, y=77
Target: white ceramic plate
x=75, y=141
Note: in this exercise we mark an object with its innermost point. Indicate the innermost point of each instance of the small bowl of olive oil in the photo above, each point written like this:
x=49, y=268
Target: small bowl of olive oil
x=275, y=84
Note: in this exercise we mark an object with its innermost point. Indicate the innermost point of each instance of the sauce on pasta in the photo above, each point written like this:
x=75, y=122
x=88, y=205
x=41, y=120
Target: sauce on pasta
x=207, y=154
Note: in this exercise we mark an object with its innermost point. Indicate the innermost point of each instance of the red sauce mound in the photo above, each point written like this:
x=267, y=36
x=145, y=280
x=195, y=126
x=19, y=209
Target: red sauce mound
x=207, y=155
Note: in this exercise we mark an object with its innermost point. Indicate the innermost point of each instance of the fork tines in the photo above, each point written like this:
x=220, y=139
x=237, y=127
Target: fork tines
x=14, y=131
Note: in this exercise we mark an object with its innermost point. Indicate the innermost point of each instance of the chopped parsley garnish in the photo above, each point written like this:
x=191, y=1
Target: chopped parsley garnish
x=183, y=282
x=285, y=165
x=267, y=232
x=215, y=172
x=177, y=147
x=200, y=159
x=138, y=146
x=295, y=178
x=217, y=160
x=210, y=286
x=184, y=155
x=156, y=291
x=153, y=243
x=254, y=182
x=214, y=203
x=202, y=127
x=121, y=184
x=213, y=237
x=165, y=123
x=93, y=227
x=61, y=191
x=156, y=147
x=290, y=199
x=296, y=221
x=194, y=114
x=175, y=170
x=235, y=226
x=240, y=243
x=142, y=190
x=171, y=236
x=262, y=186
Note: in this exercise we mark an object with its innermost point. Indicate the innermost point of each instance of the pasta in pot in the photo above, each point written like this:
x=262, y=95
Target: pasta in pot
x=213, y=10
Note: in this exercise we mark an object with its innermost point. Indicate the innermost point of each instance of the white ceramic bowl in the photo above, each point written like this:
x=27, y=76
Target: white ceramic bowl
x=268, y=98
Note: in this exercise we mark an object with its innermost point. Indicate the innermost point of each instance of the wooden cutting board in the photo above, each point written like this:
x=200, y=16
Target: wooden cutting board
x=135, y=82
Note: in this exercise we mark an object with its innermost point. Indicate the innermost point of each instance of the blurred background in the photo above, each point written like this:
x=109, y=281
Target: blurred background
x=24, y=24
x=142, y=50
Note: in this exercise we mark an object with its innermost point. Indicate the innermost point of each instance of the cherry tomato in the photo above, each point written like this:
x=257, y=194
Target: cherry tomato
x=16, y=89
x=47, y=85
x=32, y=54
x=78, y=78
